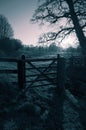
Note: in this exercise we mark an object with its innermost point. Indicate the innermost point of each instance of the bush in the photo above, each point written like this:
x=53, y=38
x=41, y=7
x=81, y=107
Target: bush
x=10, y=46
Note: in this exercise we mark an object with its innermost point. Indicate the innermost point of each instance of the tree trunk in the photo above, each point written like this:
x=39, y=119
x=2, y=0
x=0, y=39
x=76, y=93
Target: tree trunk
x=79, y=32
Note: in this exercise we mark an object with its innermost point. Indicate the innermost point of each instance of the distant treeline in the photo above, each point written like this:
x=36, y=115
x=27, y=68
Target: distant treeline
x=15, y=48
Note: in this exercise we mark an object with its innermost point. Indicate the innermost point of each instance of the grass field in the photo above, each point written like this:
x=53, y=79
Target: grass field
x=32, y=110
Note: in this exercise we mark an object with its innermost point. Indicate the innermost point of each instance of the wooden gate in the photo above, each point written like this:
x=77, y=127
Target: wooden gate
x=41, y=72
x=37, y=72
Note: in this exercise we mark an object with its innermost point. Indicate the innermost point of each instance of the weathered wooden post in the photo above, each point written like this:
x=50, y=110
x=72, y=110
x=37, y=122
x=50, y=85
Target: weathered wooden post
x=71, y=67
x=55, y=120
x=71, y=64
x=21, y=72
x=60, y=74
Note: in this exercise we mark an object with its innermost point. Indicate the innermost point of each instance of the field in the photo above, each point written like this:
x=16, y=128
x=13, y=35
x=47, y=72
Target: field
x=38, y=107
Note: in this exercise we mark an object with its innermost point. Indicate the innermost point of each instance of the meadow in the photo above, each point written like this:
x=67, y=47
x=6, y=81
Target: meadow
x=38, y=106
x=34, y=108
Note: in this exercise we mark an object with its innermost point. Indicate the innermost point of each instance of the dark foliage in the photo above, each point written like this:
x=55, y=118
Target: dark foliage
x=68, y=16
x=5, y=28
x=9, y=47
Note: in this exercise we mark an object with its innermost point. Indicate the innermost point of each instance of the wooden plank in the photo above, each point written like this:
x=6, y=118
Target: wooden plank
x=27, y=60
x=41, y=59
x=8, y=60
x=35, y=75
x=9, y=71
x=41, y=67
x=43, y=79
x=41, y=85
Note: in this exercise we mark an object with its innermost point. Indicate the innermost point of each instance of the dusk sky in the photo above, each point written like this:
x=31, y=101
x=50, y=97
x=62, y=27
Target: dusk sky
x=19, y=13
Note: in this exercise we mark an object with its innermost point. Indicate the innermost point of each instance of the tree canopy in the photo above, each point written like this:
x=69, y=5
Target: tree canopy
x=68, y=16
x=6, y=30
x=10, y=47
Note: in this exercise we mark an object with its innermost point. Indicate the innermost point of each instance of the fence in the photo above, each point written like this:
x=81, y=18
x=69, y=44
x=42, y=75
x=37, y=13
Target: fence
x=43, y=72
x=37, y=71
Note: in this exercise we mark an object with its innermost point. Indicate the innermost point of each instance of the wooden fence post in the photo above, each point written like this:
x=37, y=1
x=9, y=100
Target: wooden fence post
x=71, y=67
x=56, y=115
x=71, y=64
x=21, y=72
x=60, y=73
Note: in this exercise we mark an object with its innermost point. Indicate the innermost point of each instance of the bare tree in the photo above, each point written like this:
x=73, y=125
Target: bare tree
x=6, y=30
x=69, y=16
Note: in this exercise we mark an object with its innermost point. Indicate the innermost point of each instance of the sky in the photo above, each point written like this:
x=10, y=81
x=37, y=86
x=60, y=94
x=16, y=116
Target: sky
x=19, y=14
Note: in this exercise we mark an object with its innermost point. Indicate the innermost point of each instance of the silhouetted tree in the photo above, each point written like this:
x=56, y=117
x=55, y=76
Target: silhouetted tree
x=10, y=46
x=69, y=16
x=16, y=44
x=6, y=30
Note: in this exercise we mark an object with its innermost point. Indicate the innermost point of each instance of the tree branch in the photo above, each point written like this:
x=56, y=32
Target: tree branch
x=53, y=35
